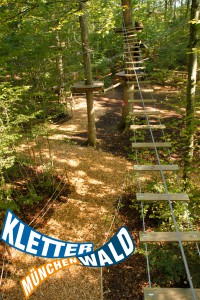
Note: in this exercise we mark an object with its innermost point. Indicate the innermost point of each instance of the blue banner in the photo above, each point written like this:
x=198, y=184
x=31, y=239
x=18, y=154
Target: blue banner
x=23, y=238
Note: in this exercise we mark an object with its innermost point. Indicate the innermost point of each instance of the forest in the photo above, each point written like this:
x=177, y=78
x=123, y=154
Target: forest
x=100, y=129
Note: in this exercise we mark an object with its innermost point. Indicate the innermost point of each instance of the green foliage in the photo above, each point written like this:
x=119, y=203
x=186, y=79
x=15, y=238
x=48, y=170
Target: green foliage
x=166, y=265
x=13, y=114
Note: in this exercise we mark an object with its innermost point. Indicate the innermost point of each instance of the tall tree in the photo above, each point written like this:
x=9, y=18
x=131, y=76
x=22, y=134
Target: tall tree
x=127, y=106
x=191, y=88
x=88, y=76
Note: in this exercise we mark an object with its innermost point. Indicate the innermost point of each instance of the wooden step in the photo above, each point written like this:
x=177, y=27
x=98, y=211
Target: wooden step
x=129, y=35
x=151, y=145
x=187, y=236
x=170, y=294
x=131, y=51
x=153, y=127
x=134, y=68
x=136, y=89
x=137, y=74
x=131, y=42
x=140, y=82
x=123, y=74
x=140, y=101
x=144, y=112
x=161, y=197
x=156, y=167
x=145, y=90
x=134, y=62
x=139, y=55
x=129, y=55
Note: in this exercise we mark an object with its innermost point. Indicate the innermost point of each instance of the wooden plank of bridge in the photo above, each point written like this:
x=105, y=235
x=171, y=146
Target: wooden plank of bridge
x=134, y=68
x=157, y=237
x=151, y=145
x=156, y=167
x=153, y=127
x=144, y=112
x=129, y=55
x=130, y=35
x=133, y=75
x=131, y=51
x=134, y=62
x=140, y=82
x=140, y=101
x=161, y=197
x=170, y=294
x=145, y=90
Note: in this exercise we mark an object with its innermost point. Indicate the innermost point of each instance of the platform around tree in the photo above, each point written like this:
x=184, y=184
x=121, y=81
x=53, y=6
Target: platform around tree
x=81, y=87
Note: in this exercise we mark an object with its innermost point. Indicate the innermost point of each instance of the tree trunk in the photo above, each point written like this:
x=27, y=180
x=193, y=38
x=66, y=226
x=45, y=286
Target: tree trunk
x=88, y=76
x=187, y=8
x=127, y=107
x=60, y=68
x=127, y=12
x=191, y=88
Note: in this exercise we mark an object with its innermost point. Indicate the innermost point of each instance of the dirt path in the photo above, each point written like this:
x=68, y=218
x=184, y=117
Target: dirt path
x=96, y=177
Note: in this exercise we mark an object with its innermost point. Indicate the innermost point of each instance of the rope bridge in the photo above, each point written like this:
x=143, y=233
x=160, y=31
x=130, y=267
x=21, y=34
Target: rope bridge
x=133, y=74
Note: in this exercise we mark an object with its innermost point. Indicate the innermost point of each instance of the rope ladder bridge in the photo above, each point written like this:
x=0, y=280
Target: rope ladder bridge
x=133, y=77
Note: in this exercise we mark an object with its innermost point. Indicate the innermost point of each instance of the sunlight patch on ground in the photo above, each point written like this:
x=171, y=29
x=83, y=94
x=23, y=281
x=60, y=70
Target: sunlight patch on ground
x=74, y=162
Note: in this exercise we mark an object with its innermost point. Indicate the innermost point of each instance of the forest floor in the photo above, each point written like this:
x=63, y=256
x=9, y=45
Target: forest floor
x=97, y=178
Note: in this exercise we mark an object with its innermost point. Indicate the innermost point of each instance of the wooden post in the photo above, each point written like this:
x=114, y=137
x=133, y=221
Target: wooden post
x=191, y=89
x=88, y=76
x=127, y=107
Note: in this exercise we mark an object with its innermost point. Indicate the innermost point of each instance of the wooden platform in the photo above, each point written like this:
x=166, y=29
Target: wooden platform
x=170, y=294
x=156, y=167
x=144, y=112
x=151, y=145
x=187, y=236
x=142, y=127
x=161, y=197
x=81, y=87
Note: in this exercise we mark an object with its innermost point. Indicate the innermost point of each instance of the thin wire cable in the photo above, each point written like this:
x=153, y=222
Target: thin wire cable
x=50, y=200
x=2, y=270
x=111, y=227
x=168, y=198
x=143, y=219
